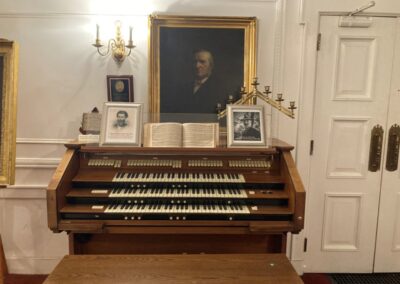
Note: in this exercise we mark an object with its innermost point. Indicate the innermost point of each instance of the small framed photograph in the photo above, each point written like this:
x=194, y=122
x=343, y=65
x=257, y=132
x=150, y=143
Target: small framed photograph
x=121, y=124
x=245, y=126
x=120, y=88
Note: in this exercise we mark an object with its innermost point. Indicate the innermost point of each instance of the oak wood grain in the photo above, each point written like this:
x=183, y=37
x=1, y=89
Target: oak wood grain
x=201, y=268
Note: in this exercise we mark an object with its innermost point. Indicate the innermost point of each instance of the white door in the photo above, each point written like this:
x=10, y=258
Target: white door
x=387, y=256
x=354, y=70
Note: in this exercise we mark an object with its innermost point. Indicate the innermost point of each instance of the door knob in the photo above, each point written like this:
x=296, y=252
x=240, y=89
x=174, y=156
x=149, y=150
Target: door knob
x=375, y=148
x=392, y=157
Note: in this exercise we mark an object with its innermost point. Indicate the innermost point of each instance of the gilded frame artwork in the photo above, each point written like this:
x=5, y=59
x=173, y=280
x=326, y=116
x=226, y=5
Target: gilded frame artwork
x=8, y=110
x=246, y=126
x=121, y=124
x=174, y=41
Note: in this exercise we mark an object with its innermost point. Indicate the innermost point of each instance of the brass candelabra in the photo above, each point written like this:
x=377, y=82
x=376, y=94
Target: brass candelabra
x=251, y=99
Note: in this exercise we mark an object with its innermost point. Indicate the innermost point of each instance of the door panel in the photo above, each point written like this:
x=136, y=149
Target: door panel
x=387, y=257
x=355, y=68
x=339, y=235
x=352, y=95
x=346, y=159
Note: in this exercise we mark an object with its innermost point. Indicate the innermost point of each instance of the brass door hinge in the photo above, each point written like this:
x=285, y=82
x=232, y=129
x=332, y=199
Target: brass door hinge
x=305, y=245
x=311, y=147
x=319, y=41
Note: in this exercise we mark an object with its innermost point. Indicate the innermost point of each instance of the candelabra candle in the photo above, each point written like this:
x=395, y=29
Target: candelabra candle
x=130, y=34
x=243, y=92
x=267, y=91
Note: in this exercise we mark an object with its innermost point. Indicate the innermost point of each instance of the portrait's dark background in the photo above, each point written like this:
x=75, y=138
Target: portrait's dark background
x=177, y=47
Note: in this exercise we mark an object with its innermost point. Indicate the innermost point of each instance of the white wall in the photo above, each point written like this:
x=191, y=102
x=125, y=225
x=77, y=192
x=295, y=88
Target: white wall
x=61, y=76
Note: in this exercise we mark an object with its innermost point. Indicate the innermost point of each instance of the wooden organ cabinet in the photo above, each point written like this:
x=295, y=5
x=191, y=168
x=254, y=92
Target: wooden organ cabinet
x=125, y=200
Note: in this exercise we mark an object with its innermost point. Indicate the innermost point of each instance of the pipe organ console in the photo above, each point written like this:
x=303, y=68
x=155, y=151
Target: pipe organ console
x=116, y=200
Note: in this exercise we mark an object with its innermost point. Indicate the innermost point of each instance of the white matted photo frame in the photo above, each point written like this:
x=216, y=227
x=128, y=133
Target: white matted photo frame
x=121, y=124
x=245, y=126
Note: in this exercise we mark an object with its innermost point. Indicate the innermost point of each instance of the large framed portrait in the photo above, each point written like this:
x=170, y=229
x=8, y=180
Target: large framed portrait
x=8, y=109
x=120, y=88
x=196, y=62
x=121, y=124
x=245, y=126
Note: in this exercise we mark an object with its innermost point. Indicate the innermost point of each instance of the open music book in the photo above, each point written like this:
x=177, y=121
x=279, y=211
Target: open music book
x=170, y=134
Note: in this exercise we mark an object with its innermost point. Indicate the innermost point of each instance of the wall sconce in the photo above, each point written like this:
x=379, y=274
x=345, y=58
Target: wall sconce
x=116, y=45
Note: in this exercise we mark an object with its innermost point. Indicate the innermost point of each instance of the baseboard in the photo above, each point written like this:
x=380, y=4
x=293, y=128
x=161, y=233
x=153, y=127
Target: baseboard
x=298, y=266
x=32, y=265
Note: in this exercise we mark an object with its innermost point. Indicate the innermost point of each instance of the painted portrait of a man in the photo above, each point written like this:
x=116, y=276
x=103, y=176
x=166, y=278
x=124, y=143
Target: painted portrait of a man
x=201, y=63
x=203, y=72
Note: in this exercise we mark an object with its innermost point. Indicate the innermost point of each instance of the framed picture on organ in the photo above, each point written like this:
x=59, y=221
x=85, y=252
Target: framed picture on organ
x=121, y=124
x=197, y=62
x=245, y=126
x=8, y=109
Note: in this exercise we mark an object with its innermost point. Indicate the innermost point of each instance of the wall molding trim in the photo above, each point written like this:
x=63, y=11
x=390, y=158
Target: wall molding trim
x=24, y=191
x=43, y=141
x=28, y=186
x=42, y=163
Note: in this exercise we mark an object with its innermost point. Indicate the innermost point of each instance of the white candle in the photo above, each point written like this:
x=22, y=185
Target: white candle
x=130, y=34
x=97, y=31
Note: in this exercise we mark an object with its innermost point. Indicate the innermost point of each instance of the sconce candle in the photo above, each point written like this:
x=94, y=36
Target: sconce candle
x=130, y=34
x=97, y=32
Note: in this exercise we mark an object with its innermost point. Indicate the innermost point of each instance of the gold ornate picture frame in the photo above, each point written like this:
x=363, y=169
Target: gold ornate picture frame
x=8, y=111
x=176, y=41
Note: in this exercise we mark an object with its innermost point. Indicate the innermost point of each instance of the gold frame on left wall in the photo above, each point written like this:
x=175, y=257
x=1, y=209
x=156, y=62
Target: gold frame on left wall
x=9, y=80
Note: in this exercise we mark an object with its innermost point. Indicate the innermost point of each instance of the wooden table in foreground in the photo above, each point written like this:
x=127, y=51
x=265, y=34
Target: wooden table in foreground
x=195, y=268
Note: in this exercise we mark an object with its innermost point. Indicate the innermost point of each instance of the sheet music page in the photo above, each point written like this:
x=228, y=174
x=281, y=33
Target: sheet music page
x=203, y=135
x=163, y=135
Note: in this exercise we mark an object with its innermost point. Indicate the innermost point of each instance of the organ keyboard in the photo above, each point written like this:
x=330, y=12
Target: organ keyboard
x=110, y=196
